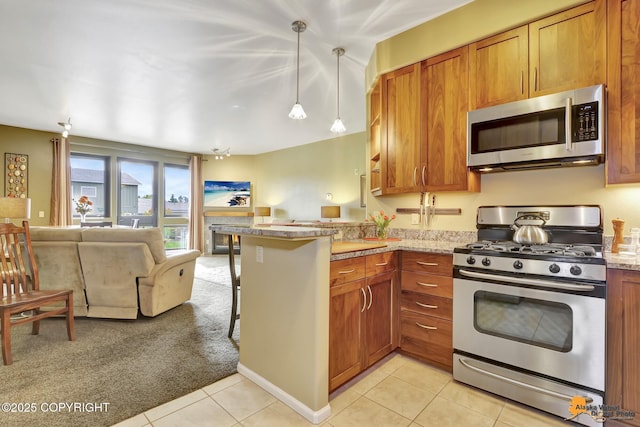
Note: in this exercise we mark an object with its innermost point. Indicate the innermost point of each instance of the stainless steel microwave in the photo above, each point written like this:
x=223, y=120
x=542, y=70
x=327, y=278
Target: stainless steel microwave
x=562, y=129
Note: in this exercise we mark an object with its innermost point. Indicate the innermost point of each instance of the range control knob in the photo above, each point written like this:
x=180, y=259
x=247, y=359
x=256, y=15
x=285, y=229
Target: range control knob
x=575, y=270
x=471, y=260
x=486, y=262
x=554, y=268
x=517, y=265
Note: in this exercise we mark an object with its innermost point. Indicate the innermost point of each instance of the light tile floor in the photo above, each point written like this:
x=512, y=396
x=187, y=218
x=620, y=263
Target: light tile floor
x=398, y=391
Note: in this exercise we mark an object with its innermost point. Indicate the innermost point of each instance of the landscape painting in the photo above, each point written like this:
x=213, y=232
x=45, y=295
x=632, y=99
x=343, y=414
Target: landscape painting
x=227, y=194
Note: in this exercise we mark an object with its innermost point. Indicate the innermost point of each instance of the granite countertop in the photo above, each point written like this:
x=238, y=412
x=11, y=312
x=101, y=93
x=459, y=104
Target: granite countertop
x=432, y=246
x=279, y=231
x=621, y=263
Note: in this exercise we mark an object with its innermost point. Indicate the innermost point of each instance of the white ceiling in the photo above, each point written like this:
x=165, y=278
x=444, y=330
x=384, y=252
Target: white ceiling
x=193, y=75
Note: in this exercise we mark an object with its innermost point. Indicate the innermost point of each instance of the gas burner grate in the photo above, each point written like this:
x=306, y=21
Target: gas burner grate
x=545, y=249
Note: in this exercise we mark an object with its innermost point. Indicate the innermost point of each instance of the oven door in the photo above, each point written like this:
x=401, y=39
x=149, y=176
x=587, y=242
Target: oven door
x=559, y=334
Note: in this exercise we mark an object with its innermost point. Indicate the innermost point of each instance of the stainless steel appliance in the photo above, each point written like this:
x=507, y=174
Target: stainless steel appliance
x=529, y=320
x=562, y=129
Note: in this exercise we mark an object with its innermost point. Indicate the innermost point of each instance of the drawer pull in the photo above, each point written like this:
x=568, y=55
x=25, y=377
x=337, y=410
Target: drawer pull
x=426, y=305
x=370, y=297
x=347, y=271
x=429, y=264
x=431, y=328
x=381, y=264
x=364, y=300
x=428, y=285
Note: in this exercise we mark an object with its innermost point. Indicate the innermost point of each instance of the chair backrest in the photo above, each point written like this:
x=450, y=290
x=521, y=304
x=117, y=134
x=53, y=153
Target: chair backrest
x=18, y=268
x=96, y=224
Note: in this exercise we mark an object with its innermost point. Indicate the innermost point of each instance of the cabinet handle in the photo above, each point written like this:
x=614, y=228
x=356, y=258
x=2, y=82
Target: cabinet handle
x=346, y=271
x=364, y=300
x=429, y=264
x=431, y=328
x=426, y=305
x=424, y=170
x=428, y=285
x=522, y=82
x=535, y=79
x=370, y=297
x=415, y=176
x=381, y=264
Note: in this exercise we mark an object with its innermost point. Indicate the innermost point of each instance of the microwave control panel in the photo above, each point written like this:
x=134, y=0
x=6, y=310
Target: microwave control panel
x=585, y=122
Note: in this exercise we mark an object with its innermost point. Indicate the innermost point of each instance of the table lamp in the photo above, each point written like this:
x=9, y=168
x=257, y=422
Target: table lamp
x=330, y=212
x=262, y=211
x=14, y=208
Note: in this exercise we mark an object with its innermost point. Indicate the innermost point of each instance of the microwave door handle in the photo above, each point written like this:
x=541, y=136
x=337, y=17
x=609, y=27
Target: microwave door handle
x=568, y=126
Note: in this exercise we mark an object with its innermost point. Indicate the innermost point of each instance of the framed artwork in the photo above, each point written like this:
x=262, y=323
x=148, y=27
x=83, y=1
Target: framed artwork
x=16, y=176
x=227, y=194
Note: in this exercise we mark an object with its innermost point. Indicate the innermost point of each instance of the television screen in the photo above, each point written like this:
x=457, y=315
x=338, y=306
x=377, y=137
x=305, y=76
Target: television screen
x=227, y=194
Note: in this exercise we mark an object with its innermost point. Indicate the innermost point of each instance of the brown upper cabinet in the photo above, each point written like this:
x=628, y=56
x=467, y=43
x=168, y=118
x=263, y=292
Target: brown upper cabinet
x=623, y=136
x=375, y=106
x=400, y=131
x=445, y=102
x=561, y=52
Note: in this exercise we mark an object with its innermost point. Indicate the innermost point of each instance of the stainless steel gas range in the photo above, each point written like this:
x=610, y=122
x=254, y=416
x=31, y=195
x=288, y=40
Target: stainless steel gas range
x=529, y=318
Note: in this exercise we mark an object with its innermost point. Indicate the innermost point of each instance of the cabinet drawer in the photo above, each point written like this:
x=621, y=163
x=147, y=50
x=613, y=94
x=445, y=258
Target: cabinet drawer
x=346, y=270
x=427, y=337
x=427, y=284
x=430, y=305
x=439, y=264
x=380, y=263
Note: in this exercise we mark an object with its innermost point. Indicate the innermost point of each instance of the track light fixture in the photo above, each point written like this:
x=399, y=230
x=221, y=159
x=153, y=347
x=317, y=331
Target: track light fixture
x=66, y=127
x=219, y=154
x=338, y=126
x=297, y=112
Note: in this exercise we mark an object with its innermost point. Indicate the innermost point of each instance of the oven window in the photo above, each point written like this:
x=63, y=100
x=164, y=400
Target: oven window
x=537, y=322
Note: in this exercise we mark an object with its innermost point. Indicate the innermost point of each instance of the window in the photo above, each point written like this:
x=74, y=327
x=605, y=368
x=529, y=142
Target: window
x=137, y=192
x=176, y=191
x=90, y=177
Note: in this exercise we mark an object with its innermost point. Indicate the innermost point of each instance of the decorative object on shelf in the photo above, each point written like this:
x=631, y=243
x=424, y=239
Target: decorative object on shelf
x=220, y=154
x=330, y=212
x=338, y=126
x=297, y=112
x=262, y=211
x=66, y=127
x=83, y=206
x=382, y=221
x=14, y=208
x=618, y=232
x=16, y=177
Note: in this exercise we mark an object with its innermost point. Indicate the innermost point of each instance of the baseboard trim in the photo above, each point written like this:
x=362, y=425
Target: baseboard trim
x=315, y=417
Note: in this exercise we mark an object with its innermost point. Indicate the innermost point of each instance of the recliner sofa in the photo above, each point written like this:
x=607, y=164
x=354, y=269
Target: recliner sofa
x=114, y=272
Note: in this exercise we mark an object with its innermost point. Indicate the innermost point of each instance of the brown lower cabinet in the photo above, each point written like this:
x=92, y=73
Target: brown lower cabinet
x=363, y=317
x=426, y=307
x=623, y=335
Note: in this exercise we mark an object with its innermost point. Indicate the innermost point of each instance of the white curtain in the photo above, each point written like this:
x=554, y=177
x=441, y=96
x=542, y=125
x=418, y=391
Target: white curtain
x=61, y=183
x=196, y=219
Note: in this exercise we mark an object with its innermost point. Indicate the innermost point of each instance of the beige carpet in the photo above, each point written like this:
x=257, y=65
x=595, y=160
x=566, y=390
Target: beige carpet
x=132, y=365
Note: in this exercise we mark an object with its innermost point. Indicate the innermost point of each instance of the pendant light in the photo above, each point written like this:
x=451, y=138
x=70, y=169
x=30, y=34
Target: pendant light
x=297, y=112
x=338, y=126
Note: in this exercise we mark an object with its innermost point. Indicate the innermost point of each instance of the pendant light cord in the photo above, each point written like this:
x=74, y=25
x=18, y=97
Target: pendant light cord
x=298, y=71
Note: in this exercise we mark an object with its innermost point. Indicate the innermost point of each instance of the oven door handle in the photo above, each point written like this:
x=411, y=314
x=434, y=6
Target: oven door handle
x=520, y=383
x=524, y=281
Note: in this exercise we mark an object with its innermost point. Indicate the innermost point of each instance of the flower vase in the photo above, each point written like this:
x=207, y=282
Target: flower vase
x=83, y=217
x=382, y=233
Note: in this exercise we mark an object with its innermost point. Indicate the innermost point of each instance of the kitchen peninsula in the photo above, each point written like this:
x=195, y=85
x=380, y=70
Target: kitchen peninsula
x=285, y=313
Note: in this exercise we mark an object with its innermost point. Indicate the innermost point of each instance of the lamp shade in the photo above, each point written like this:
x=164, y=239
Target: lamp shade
x=262, y=211
x=15, y=207
x=330, y=211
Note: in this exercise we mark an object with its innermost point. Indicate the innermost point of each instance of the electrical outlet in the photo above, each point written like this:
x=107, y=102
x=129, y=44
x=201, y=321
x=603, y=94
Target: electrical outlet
x=40, y=214
x=415, y=219
x=259, y=254
x=338, y=235
x=356, y=172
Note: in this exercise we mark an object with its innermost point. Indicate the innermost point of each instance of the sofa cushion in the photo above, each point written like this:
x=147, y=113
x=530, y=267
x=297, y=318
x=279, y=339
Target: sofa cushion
x=151, y=236
x=57, y=234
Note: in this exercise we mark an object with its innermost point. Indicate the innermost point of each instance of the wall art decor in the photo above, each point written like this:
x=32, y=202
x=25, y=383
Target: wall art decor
x=16, y=176
x=227, y=194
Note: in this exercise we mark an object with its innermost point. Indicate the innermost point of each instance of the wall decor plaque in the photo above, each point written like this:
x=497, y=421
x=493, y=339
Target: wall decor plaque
x=16, y=175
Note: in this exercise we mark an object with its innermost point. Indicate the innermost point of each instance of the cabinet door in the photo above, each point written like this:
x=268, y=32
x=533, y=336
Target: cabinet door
x=568, y=50
x=380, y=314
x=446, y=102
x=400, y=155
x=345, y=332
x=374, y=138
x=623, y=324
x=498, y=69
x=623, y=92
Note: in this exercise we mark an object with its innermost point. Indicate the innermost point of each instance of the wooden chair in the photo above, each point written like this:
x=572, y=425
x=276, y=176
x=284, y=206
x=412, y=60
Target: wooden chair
x=235, y=286
x=21, y=288
x=96, y=224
